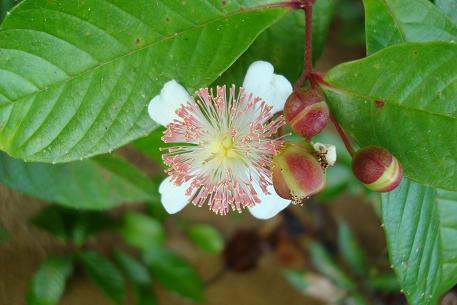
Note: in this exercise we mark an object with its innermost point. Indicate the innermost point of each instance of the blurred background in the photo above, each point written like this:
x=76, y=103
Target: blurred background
x=331, y=250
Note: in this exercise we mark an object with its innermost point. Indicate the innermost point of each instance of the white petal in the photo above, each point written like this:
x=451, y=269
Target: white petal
x=329, y=150
x=281, y=90
x=162, y=107
x=270, y=205
x=259, y=73
x=173, y=197
x=331, y=155
x=274, y=89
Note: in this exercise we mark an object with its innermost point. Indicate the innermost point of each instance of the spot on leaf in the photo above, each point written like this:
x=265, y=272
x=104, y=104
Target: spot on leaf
x=379, y=103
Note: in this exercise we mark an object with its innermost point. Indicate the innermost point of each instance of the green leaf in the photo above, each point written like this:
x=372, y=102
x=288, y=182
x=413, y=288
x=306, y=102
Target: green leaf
x=104, y=274
x=175, y=273
x=356, y=299
x=437, y=27
x=206, y=238
x=5, y=6
x=72, y=225
x=325, y=264
x=76, y=78
x=449, y=7
x=421, y=228
x=387, y=283
x=151, y=145
x=418, y=120
x=350, y=249
x=4, y=235
x=100, y=183
x=315, y=286
x=48, y=283
x=297, y=279
x=283, y=44
x=146, y=297
x=389, y=22
x=142, y=231
x=136, y=272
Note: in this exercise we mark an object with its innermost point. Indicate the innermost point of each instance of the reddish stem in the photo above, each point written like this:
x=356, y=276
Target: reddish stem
x=308, y=56
x=317, y=79
x=294, y=4
x=309, y=38
x=343, y=135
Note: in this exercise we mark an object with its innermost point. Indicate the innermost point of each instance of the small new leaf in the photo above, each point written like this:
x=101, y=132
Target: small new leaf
x=48, y=283
x=207, y=238
x=135, y=271
x=326, y=265
x=174, y=273
x=104, y=274
x=350, y=249
x=142, y=231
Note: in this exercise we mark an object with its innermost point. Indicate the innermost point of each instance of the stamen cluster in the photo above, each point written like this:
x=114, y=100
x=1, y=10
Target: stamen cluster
x=226, y=147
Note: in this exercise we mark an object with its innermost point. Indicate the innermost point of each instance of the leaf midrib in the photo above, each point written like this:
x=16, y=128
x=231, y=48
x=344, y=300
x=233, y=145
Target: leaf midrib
x=397, y=21
x=368, y=97
x=132, y=52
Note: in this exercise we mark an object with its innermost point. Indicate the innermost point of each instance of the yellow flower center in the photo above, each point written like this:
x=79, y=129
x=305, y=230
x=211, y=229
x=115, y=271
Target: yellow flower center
x=224, y=148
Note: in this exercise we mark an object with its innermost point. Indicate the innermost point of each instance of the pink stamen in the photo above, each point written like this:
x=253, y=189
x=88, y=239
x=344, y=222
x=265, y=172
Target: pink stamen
x=223, y=180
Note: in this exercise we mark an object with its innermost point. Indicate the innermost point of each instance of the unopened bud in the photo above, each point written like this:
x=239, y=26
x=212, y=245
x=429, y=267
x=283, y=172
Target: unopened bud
x=297, y=173
x=307, y=112
x=377, y=169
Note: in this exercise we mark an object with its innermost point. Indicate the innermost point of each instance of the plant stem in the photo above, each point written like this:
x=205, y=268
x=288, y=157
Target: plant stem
x=295, y=4
x=308, y=54
x=316, y=79
x=343, y=135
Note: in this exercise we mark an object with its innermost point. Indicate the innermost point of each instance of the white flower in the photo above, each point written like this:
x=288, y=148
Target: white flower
x=227, y=150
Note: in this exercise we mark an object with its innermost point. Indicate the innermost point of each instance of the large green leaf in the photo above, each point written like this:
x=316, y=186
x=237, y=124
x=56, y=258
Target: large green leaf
x=48, y=283
x=449, y=7
x=283, y=44
x=174, y=273
x=421, y=228
x=76, y=77
x=104, y=274
x=100, y=183
x=5, y=6
x=391, y=22
x=417, y=85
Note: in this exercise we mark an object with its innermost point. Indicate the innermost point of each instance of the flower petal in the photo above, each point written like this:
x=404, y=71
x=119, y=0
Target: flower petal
x=162, y=107
x=274, y=89
x=329, y=150
x=270, y=205
x=173, y=197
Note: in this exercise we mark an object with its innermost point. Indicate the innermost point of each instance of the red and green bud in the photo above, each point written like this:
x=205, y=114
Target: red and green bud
x=377, y=169
x=307, y=112
x=297, y=173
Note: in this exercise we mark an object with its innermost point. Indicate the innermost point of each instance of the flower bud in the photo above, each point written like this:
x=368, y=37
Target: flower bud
x=377, y=169
x=307, y=112
x=297, y=173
